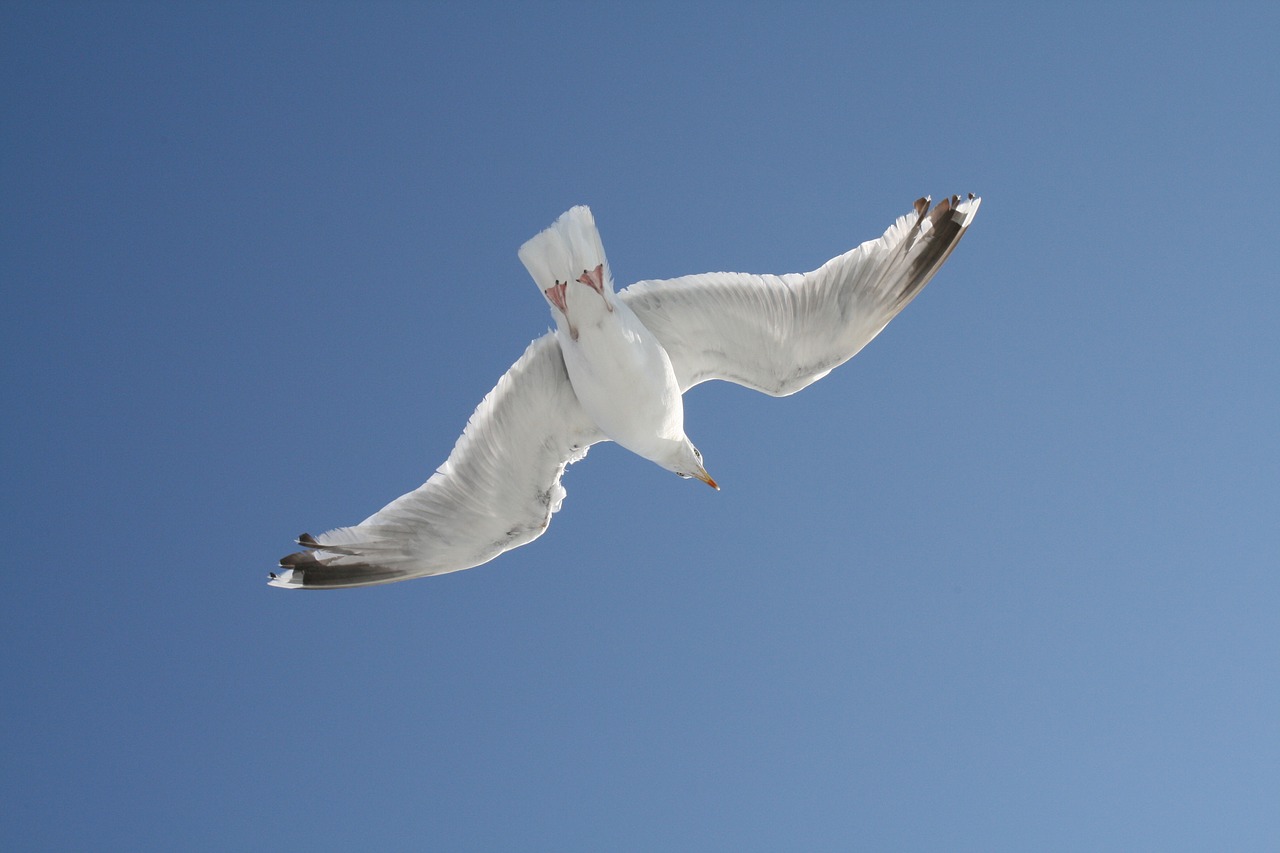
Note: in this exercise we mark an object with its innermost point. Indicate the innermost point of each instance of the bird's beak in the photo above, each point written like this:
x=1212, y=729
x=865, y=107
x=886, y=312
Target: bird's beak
x=706, y=478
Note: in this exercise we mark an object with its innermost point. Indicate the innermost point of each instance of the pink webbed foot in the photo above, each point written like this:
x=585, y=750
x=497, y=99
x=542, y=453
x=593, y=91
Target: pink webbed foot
x=594, y=279
x=555, y=295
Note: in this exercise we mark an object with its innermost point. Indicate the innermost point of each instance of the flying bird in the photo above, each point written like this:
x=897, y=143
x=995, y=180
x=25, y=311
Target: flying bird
x=614, y=369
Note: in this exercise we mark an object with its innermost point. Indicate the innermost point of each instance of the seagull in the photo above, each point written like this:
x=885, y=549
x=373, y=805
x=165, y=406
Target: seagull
x=615, y=369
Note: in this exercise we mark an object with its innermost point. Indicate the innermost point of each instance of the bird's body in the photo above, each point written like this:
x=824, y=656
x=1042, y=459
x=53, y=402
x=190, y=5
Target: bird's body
x=615, y=369
x=624, y=381
x=619, y=371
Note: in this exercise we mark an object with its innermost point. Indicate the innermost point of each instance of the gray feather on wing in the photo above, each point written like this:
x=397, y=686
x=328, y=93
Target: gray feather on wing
x=780, y=333
x=497, y=490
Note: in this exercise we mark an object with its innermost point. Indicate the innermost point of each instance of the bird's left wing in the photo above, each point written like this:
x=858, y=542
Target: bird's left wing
x=779, y=333
x=496, y=491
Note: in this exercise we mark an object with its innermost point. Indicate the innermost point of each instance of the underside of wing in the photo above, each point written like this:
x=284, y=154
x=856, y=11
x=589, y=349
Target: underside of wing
x=780, y=333
x=497, y=490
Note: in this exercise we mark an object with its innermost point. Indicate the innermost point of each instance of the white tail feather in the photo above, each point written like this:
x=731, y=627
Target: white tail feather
x=563, y=252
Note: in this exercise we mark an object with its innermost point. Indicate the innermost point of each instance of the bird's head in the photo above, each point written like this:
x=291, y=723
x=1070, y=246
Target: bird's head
x=686, y=461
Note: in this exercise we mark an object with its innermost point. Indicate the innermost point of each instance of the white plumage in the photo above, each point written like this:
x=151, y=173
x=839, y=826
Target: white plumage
x=615, y=369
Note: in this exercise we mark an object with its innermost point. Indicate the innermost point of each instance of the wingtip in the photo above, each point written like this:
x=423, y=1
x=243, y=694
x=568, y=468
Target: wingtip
x=293, y=566
x=965, y=210
x=285, y=580
x=967, y=203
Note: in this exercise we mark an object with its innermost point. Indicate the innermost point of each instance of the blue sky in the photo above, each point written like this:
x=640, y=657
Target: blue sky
x=1006, y=581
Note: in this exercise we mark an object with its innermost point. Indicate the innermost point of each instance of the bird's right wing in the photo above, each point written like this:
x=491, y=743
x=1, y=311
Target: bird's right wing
x=496, y=491
x=779, y=333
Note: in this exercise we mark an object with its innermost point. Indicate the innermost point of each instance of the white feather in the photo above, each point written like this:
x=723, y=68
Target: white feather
x=496, y=491
x=780, y=333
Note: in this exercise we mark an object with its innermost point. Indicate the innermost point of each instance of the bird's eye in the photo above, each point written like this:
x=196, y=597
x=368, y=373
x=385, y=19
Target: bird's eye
x=697, y=454
x=682, y=475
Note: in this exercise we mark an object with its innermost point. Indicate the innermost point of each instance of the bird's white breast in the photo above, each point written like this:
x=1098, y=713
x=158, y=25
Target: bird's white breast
x=623, y=378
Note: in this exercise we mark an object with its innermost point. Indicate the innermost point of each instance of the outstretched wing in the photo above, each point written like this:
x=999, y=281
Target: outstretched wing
x=779, y=333
x=496, y=491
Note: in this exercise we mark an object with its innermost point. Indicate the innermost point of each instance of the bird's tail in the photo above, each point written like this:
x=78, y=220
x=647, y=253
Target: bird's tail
x=567, y=250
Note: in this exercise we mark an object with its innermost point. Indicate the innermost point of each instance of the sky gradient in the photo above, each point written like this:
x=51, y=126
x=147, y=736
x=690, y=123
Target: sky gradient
x=1008, y=580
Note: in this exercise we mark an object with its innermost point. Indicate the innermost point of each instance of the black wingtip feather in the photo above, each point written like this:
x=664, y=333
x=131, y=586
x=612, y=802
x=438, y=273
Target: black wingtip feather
x=948, y=226
x=310, y=573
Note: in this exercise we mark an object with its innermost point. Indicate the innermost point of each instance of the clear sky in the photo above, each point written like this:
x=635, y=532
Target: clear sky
x=1009, y=580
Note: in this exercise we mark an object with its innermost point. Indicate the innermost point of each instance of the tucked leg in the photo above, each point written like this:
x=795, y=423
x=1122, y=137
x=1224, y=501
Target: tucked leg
x=594, y=279
x=555, y=295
